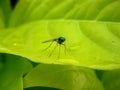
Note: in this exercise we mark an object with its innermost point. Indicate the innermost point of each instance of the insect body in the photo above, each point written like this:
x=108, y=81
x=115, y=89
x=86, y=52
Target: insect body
x=59, y=41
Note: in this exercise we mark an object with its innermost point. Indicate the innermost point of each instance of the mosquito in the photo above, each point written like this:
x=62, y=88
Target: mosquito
x=59, y=41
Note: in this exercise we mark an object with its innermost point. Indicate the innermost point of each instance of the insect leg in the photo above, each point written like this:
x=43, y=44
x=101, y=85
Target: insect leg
x=53, y=49
x=59, y=51
x=48, y=46
x=65, y=48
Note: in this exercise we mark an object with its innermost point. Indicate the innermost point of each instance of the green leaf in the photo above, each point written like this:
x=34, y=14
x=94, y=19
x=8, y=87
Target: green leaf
x=2, y=23
x=34, y=10
x=62, y=77
x=12, y=73
x=40, y=88
x=111, y=80
x=90, y=44
x=6, y=8
x=1, y=62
